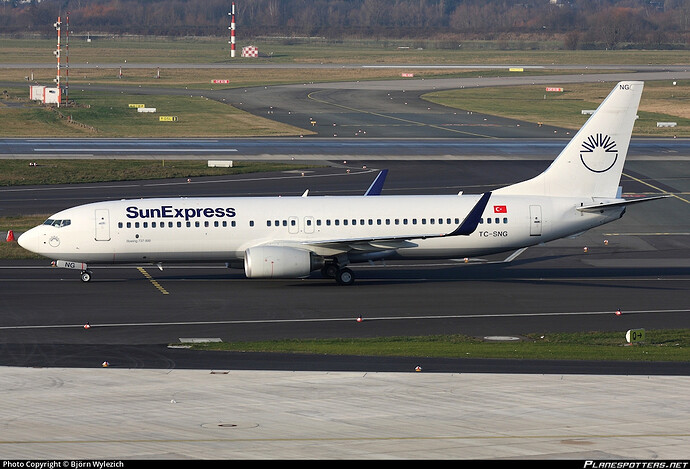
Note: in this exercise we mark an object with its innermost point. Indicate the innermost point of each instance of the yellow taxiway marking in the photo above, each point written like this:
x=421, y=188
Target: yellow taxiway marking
x=656, y=188
x=153, y=281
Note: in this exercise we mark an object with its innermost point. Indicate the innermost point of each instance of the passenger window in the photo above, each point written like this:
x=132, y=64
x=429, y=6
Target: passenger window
x=505, y=220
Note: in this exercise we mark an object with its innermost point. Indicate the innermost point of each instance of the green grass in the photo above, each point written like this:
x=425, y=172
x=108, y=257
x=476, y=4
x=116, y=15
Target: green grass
x=661, y=345
x=217, y=50
x=19, y=172
x=109, y=115
x=564, y=109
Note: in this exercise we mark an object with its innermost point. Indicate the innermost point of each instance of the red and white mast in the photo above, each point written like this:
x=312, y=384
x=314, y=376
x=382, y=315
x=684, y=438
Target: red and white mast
x=232, y=30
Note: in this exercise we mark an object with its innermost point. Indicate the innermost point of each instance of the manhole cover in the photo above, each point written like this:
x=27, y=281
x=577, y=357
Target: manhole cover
x=229, y=425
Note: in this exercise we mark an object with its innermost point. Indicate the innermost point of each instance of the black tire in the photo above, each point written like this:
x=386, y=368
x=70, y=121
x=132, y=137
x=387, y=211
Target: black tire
x=329, y=270
x=86, y=276
x=345, y=277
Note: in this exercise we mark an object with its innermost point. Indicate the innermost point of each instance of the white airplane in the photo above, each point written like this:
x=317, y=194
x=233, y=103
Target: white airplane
x=290, y=237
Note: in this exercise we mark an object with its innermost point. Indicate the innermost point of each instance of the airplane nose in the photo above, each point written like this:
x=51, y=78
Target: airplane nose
x=28, y=240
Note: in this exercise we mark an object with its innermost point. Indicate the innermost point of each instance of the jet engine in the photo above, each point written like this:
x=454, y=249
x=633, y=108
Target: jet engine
x=280, y=262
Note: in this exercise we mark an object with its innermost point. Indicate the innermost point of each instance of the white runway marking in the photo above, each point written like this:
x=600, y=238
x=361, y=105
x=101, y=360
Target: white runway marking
x=347, y=319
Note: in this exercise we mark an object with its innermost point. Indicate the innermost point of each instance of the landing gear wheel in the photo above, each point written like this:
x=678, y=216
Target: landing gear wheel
x=345, y=277
x=86, y=276
x=329, y=270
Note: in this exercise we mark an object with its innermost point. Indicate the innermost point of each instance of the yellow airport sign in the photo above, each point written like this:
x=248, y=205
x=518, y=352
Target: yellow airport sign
x=167, y=118
x=634, y=335
x=137, y=105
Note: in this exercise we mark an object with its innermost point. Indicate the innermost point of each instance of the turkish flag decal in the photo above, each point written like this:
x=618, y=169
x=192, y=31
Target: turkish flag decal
x=500, y=209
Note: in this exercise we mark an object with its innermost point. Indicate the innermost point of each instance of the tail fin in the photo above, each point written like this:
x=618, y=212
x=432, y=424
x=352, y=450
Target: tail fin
x=592, y=163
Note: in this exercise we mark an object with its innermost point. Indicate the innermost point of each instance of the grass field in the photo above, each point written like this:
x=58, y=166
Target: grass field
x=662, y=101
x=107, y=115
x=217, y=50
x=660, y=345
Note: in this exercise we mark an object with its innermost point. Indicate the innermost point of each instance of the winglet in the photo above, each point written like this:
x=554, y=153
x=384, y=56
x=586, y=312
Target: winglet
x=471, y=221
x=377, y=185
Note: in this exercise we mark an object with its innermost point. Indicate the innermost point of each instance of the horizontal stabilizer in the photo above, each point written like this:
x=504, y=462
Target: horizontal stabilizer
x=618, y=203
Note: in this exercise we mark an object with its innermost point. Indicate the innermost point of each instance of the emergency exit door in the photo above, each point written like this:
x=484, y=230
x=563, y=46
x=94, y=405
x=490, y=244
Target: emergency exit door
x=102, y=225
x=535, y=220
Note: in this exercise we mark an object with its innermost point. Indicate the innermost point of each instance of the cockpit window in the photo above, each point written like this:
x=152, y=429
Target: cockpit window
x=57, y=223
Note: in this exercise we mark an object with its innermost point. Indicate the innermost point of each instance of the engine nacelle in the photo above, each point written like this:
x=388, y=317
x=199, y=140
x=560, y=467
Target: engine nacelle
x=280, y=262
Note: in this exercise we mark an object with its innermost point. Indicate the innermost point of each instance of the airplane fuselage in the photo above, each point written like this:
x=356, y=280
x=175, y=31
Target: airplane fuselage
x=222, y=229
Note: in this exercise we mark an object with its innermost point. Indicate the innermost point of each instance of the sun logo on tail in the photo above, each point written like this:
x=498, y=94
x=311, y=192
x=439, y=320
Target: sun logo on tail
x=599, y=153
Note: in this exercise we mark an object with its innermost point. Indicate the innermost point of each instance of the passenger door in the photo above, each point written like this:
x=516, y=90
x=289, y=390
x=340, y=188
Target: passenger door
x=102, y=225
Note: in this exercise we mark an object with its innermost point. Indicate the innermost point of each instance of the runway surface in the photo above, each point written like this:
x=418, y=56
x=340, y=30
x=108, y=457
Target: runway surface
x=156, y=401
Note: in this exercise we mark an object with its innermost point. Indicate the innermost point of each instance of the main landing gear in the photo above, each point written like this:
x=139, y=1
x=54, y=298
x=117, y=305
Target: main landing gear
x=85, y=275
x=342, y=276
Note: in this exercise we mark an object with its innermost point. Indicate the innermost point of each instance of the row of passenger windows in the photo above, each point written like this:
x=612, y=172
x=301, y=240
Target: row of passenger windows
x=308, y=222
x=179, y=224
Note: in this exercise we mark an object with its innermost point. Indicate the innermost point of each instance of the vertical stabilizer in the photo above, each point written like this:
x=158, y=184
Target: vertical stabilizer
x=592, y=163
